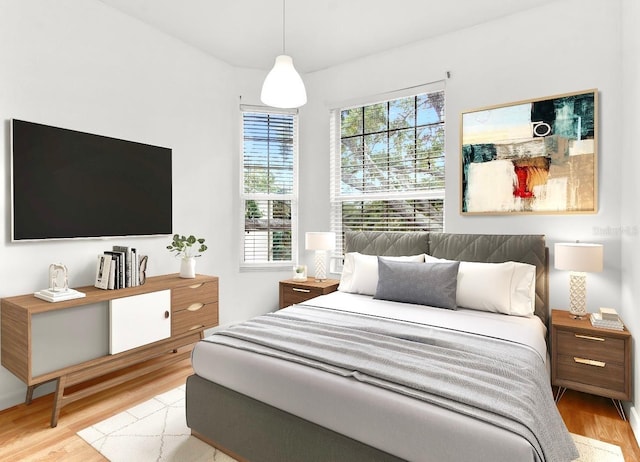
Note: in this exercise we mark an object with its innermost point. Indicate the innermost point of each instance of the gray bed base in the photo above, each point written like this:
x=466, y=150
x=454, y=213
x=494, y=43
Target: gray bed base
x=250, y=430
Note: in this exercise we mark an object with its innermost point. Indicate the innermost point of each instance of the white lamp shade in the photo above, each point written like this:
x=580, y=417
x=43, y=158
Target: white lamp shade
x=283, y=87
x=320, y=241
x=578, y=256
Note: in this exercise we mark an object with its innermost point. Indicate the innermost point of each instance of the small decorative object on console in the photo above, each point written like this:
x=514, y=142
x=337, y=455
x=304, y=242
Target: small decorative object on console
x=300, y=273
x=144, y=259
x=186, y=249
x=607, y=318
x=609, y=314
x=58, y=285
x=58, y=277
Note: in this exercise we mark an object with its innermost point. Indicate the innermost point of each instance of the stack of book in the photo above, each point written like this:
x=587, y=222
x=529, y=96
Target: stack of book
x=118, y=268
x=607, y=318
x=51, y=295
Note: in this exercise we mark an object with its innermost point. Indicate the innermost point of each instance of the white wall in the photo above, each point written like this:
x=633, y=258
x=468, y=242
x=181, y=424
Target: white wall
x=630, y=191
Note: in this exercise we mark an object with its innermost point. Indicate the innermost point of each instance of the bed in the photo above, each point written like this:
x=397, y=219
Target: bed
x=282, y=387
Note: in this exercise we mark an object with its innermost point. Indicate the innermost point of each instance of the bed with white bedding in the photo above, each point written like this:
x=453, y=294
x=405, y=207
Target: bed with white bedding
x=282, y=388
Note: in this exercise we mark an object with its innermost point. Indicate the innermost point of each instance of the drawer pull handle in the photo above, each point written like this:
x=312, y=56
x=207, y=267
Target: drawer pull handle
x=589, y=337
x=166, y=315
x=589, y=362
x=295, y=289
x=195, y=286
x=195, y=306
x=199, y=326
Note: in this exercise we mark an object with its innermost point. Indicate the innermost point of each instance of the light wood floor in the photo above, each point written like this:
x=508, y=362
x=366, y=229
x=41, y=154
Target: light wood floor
x=597, y=418
x=25, y=434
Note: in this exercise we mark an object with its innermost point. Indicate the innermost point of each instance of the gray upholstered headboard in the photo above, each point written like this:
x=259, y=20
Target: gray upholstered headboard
x=491, y=248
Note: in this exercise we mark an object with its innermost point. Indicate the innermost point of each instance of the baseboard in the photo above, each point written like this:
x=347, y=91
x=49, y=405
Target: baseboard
x=14, y=398
x=11, y=399
x=634, y=420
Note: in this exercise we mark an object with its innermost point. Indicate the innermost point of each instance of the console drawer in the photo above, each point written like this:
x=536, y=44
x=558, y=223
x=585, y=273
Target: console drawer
x=197, y=293
x=197, y=317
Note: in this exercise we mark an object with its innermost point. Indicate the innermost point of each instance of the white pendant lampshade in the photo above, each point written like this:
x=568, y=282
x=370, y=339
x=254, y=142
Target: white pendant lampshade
x=283, y=87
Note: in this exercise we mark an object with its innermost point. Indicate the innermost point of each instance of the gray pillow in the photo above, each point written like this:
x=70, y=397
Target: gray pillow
x=432, y=284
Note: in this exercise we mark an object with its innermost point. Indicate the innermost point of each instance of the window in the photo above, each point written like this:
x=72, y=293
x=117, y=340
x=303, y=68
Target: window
x=269, y=187
x=387, y=166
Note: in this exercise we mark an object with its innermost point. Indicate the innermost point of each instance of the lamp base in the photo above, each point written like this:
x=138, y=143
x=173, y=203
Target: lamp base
x=577, y=295
x=320, y=266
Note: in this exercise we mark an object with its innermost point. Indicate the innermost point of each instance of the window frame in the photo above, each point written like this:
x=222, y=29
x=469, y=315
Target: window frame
x=293, y=197
x=336, y=196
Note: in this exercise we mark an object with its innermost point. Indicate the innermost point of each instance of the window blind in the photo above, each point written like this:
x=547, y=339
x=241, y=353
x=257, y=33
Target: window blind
x=269, y=187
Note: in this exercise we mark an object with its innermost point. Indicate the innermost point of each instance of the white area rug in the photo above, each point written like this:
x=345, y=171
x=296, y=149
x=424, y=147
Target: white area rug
x=156, y=431
x=597, y=451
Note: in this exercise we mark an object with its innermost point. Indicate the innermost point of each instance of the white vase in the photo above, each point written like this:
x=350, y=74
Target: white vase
x=188, y=267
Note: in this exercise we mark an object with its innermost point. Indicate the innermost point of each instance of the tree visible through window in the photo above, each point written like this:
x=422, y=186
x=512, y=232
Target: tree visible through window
x=269, y=194
x=388, y=165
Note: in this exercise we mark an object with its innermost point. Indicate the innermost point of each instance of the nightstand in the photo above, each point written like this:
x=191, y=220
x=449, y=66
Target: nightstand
x=590, y=359
x=292, y=291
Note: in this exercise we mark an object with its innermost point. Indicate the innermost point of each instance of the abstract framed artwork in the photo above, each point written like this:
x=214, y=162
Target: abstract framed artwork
x=534, y=156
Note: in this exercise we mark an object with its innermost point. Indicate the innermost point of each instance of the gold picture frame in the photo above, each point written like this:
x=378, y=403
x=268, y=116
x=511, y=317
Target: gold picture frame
x=534, y=156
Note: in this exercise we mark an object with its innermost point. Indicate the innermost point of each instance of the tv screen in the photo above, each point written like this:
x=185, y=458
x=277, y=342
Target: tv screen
x=67, y=184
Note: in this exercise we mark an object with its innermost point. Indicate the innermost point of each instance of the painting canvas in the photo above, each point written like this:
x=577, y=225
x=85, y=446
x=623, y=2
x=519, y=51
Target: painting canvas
x=536, y=156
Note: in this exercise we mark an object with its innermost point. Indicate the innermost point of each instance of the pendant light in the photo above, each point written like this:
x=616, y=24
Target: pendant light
x=283, y=86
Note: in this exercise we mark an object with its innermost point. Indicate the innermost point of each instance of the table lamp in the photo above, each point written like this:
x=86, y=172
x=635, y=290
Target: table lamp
x=578, y=258
x=321, y=242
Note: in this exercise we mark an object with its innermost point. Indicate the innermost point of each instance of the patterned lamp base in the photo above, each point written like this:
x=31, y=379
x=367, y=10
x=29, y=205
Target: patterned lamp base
x=577, y=294
x=320, y=267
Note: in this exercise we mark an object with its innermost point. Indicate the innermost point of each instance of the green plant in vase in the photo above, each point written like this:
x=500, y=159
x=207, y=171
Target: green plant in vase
x=187, y=248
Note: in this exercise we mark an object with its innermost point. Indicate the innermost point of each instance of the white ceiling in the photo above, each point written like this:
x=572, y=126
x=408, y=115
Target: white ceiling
x=319, y=33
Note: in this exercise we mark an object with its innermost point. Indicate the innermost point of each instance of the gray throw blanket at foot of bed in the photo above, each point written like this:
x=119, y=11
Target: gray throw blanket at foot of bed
x=503, y=383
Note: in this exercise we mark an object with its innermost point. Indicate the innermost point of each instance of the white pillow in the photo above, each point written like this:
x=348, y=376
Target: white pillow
x=360, y=272
x=508, y=288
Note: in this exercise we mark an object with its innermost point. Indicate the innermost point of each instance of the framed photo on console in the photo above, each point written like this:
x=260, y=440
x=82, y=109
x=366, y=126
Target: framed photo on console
x=534, y=156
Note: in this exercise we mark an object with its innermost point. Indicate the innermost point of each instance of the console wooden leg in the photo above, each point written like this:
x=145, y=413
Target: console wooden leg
x=57, y=400
x=29, y=396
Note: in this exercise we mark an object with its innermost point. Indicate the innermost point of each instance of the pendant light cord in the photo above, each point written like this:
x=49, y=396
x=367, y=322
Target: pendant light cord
x=283, y=27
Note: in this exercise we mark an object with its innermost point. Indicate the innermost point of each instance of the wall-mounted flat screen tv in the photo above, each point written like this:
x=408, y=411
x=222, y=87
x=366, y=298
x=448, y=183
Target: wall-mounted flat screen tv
x=68, y=184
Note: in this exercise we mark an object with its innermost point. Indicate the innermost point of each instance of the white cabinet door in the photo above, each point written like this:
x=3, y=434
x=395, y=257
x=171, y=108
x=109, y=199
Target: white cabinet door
x=138, y=320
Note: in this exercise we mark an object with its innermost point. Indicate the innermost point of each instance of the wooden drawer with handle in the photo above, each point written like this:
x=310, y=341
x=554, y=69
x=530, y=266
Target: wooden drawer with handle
x=292, y=292
x=187, y=296
x=595, y=346
x=607, y=376
x=197, y=317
